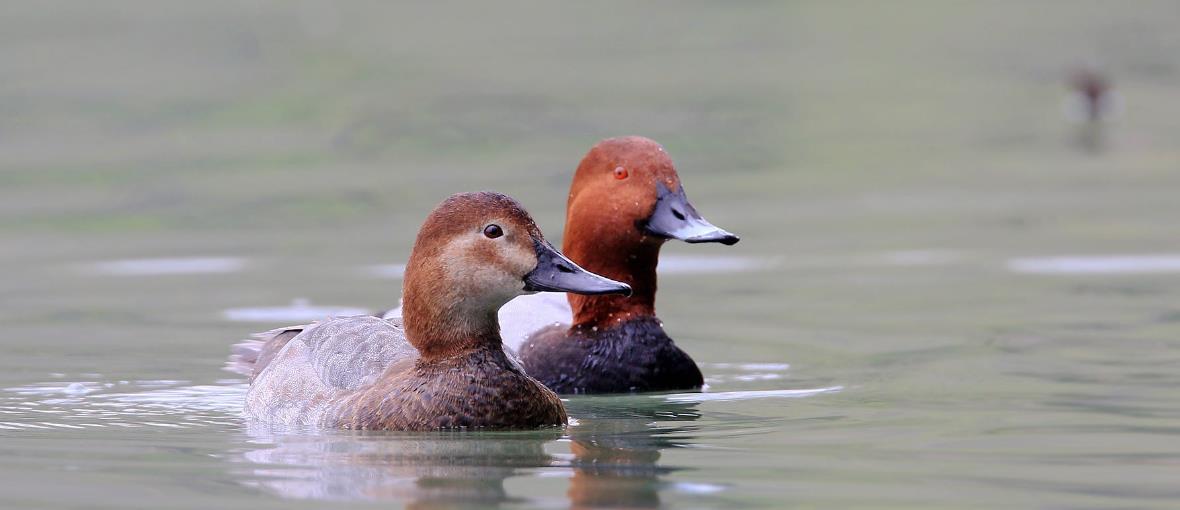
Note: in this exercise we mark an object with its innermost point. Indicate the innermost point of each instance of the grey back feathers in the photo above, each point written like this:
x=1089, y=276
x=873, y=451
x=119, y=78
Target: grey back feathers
x=351, y=352
x=325, y=362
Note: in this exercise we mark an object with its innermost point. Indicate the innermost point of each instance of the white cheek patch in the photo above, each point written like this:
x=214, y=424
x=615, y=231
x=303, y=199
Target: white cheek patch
x=521, y=260
x=474, y=277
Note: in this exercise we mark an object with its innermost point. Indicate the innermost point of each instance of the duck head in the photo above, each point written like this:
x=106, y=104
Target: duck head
x=628, y=188
x=625, y=202
x=475, y=252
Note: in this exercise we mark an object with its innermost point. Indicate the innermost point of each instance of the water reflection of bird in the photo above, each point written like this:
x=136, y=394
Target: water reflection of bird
x=435, y=470
x=615, y=452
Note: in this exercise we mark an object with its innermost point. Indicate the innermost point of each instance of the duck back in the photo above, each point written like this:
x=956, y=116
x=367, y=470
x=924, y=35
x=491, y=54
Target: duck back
x=321, y=364
x=362, y=373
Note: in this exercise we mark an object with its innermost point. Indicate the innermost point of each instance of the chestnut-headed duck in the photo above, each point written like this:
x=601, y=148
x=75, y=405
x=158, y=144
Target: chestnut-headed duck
x=443, y=364
x=625, y=201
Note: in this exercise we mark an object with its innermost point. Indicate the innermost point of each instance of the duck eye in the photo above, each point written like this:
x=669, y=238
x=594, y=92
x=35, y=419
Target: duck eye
x=620, y=173
x=493, y=231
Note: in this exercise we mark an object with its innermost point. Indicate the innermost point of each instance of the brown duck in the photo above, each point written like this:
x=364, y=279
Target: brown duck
x=625, y=201
x=443, y=365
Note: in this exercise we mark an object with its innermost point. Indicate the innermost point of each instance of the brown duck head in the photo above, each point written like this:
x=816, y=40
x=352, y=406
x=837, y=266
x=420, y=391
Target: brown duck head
x=625, y=201
x=475, y=252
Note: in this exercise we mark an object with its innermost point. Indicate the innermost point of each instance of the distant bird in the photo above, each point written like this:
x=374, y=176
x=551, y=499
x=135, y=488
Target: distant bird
x=1092, y=97
x=1091, y=103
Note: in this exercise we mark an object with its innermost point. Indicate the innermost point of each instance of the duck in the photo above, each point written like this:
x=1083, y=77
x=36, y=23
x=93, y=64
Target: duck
x=442, y=365
x=1092, y=97
x=626, y=200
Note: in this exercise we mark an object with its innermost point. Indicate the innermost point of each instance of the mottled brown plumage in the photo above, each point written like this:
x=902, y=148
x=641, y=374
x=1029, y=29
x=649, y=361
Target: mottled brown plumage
x=478, y=388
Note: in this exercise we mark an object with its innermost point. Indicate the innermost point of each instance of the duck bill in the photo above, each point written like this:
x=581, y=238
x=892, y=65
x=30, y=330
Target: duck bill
x=555, y=273
x=675, y=218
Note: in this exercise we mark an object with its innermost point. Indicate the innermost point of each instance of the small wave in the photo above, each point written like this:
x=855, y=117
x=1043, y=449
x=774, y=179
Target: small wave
x=1098, y=264
x=747, y=372
x=134, y=404
x=730, y=396
x=168, y=266
x=750, y=367
x=696, y=264
x=920, y=257
x=698, y=488
x=391, y=271
x=299, y=311
x=59, y=388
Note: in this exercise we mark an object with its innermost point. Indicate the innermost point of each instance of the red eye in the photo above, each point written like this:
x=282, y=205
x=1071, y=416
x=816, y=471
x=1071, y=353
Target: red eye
x=620, y=173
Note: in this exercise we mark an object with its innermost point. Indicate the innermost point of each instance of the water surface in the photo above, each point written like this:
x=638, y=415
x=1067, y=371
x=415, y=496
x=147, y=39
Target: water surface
x=947, y=295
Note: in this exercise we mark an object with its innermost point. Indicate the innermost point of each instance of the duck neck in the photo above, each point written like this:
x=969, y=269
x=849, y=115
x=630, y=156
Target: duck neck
x=447, y=332
x=630, y=259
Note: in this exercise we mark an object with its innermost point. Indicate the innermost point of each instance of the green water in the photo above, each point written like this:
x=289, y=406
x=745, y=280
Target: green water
x=900, y=174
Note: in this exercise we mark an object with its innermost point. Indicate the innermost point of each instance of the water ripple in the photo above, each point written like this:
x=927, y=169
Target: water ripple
x=168, y=266
x=128, y=404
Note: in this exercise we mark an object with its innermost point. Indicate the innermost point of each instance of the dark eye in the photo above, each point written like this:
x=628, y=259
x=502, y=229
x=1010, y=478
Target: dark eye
x=620, y=173
x=493, y=231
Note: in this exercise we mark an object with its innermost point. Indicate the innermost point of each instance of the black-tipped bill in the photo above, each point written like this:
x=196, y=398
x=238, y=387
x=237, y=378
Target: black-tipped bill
x=555, y=273
x=675, y=218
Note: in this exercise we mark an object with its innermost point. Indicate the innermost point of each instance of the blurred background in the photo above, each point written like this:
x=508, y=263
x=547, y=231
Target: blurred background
x=964, y=214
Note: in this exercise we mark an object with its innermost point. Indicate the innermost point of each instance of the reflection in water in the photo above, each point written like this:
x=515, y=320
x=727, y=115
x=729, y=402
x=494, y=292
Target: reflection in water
x=610, y=455
x=1090, y=137
x=614, y=458
x=616, y=453
x=430, y=470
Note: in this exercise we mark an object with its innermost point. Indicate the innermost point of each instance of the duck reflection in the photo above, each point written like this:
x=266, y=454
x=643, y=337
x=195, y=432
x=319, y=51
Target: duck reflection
x=439, y=470
x=613, y=461
x=616, y=449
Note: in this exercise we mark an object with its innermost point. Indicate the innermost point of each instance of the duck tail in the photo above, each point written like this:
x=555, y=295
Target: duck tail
x=249, y=356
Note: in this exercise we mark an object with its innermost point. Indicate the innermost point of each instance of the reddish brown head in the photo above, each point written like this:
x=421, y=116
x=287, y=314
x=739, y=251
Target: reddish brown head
x=626, y=200
x=475, y=252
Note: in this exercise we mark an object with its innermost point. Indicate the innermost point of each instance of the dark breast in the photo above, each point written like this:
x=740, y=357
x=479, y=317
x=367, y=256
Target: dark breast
x=632, y=356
